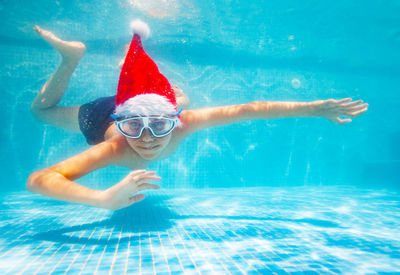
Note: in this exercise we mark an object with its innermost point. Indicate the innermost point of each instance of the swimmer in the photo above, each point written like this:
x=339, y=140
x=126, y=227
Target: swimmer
x=142, y=124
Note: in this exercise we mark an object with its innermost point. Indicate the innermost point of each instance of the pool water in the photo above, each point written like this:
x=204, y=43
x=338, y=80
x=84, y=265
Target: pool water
x=294, y=195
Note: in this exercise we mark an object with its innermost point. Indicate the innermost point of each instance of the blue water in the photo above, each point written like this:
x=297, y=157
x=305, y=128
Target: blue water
x=298, y=195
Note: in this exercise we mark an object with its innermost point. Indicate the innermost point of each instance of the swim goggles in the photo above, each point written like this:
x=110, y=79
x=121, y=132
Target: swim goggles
x=159, y=126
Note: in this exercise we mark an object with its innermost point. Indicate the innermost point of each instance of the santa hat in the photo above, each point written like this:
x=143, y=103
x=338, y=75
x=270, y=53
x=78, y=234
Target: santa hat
x=142, y=89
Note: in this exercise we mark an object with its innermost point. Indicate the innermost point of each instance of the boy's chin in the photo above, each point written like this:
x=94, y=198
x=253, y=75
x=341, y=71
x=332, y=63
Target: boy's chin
x=149, y=156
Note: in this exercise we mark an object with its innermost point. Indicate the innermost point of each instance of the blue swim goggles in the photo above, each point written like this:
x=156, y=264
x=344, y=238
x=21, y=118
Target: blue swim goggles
x=159, y=126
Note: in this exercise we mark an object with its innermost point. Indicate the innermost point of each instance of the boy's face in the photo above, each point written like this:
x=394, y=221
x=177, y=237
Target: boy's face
x=148, y=146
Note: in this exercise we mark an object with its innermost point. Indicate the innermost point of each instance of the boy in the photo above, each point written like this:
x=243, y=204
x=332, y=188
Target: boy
x=146, y=123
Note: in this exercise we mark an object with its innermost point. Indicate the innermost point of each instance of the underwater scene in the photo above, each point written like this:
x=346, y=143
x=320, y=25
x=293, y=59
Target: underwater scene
x=200, y=137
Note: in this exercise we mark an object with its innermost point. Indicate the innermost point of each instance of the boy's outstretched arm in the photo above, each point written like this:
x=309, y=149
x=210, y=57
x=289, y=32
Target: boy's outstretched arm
x=58, y=181
x=331, y=109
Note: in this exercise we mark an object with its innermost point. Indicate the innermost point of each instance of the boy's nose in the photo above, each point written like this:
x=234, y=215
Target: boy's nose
x=147, y=136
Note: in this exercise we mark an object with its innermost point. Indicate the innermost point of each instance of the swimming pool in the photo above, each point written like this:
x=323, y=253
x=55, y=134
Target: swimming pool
x=295, y=195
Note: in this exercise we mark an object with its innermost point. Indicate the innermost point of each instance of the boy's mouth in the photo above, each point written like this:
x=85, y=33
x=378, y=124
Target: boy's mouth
x=149, y=147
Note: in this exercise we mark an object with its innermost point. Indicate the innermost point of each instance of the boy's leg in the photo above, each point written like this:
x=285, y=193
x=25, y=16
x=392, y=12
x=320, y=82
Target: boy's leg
x=44, y=105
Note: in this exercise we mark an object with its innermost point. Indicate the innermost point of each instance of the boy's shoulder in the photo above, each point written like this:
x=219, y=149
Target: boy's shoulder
x=117, y=144
x=122, y=154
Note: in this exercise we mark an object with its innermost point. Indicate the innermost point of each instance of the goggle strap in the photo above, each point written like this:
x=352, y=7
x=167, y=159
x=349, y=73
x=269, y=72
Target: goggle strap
x=180, y=110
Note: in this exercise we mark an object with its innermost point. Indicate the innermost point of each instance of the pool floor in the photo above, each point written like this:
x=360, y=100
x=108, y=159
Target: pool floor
x=291, y=230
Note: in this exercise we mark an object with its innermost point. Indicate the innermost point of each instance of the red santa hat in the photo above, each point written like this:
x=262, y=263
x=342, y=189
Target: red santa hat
x=142, y=89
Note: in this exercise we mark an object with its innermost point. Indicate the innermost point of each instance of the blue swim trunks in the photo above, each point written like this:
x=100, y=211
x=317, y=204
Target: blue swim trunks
x=94, y=118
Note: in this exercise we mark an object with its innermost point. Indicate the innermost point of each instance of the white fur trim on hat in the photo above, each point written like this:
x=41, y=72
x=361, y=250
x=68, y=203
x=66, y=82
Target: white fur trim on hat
x=145, y=105
x=140, y=28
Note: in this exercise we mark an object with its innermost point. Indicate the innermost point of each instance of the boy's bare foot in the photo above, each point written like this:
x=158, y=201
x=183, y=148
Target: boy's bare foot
x=71, y=51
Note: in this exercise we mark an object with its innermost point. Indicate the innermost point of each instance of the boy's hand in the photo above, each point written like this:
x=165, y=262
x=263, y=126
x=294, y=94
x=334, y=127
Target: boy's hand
x=122, y=194
x=182, y=100
x=334, y=109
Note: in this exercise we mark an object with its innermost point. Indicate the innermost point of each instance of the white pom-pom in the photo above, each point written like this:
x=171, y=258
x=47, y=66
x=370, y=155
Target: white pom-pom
x=140, y=28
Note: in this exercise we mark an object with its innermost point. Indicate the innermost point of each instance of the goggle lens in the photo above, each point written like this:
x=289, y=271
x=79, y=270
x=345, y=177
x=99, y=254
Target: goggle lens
x=131, y=127
x=161, y=126
x=158, y=126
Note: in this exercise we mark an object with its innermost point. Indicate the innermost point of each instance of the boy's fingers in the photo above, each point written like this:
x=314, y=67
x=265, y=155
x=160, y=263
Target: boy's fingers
x=36, y=28
x=344, y=100
x=343, y=121
x=356, y=108
x=146, y=186
x=136, y=198
x=154, y=178
x=353, y=114
x=142, y=178
x=136, y=173
x=145, y=172
x=139, y=174
x=351, y=104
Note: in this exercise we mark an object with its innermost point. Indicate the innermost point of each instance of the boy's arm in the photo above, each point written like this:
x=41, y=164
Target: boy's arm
x=57, y=181
x=194, y=120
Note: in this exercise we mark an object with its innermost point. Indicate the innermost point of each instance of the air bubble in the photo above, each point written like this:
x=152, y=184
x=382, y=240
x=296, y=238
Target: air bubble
x=296, y=83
